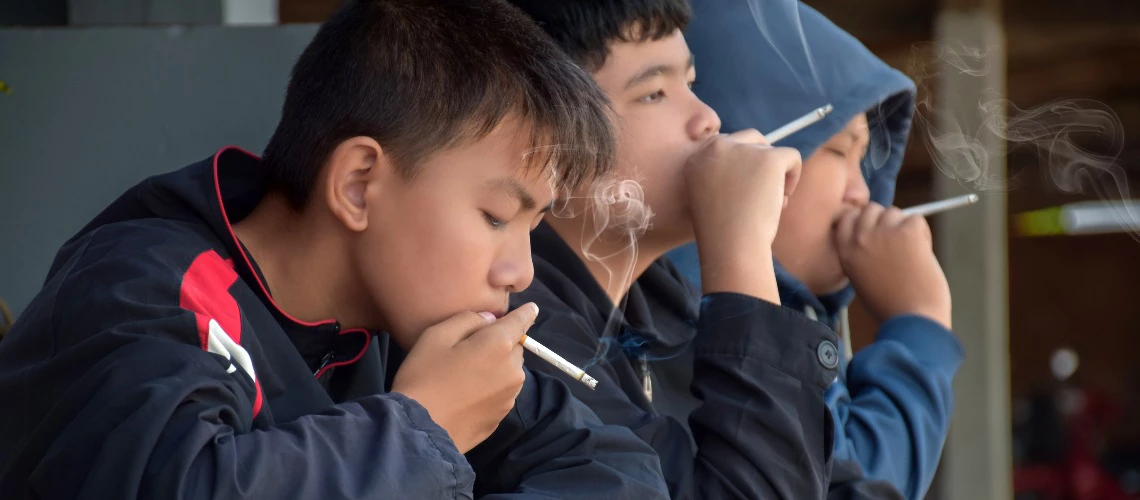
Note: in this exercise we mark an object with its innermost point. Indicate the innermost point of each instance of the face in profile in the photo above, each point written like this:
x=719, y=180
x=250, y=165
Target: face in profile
x=662, y=124
x=455, y=237
x=831, y=183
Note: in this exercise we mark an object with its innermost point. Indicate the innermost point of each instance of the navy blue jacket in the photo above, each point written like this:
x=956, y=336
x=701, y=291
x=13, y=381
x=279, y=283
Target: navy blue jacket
x=763, y=64
x=155, y=364
x=743, y=416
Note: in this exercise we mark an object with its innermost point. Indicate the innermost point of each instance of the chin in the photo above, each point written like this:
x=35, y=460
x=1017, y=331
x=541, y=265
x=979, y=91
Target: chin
x=835, y=286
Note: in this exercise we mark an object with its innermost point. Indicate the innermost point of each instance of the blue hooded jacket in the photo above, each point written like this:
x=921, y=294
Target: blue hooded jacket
x=764, y=63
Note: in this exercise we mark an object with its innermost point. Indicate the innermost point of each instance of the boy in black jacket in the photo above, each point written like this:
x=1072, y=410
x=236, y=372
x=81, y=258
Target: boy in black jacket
x=212, y=333
x=761, y=429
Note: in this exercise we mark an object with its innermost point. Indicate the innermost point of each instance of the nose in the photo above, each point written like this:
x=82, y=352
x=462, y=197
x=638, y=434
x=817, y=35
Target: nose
x=513, y=271
x=857, y=192
x=704, y=123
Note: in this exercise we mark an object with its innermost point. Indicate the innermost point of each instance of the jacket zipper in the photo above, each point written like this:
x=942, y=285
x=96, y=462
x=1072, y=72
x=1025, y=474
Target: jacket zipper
x=329, y=355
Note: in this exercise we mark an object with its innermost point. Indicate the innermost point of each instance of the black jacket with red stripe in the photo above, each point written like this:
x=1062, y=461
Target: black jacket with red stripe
x=154, y=364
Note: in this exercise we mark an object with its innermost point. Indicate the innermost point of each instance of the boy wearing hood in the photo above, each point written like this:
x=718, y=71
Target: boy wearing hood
x=213, y=333
x=755, y=371
x=892, y=400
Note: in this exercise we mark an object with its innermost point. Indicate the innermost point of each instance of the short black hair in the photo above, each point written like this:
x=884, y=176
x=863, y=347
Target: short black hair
x=420, y=76
x=584, y=28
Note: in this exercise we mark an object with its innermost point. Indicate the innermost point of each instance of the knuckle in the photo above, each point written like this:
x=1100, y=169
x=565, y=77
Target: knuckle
x=790, y=155
x=507, y=344
x=916, y=225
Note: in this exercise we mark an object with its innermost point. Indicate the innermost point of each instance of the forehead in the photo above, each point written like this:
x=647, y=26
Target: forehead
x=855, y=130
x=506, y=152
x=626, y=59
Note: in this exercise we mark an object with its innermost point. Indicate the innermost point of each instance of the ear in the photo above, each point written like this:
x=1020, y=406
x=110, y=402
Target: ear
x=355, y=166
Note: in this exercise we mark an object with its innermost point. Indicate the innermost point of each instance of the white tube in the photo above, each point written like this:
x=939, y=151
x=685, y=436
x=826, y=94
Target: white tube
x=941, y=206
x=558, y=361
x=798, y=124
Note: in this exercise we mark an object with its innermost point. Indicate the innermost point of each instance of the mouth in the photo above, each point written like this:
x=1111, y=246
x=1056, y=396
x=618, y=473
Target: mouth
x=499, y=313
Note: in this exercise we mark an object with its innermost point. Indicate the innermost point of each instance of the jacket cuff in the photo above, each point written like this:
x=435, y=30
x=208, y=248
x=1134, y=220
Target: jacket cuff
x=420, y=420
x=737, y=325
x=930, y=343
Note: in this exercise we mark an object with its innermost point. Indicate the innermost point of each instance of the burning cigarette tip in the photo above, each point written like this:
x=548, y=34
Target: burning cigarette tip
x=590, y=382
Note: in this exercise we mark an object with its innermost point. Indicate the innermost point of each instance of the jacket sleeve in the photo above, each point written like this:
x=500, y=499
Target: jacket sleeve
x=762, y=430
x=135, y=408
x=893, y=413
x=552, y=446
x=848, y=483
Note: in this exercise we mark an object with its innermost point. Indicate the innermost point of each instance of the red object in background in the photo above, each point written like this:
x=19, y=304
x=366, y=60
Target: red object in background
x=1079, y=476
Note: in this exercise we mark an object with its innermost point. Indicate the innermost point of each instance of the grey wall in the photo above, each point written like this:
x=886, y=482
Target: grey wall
x=95, y=110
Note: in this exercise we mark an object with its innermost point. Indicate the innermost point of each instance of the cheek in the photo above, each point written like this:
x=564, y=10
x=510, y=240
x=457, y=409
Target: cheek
x=821, y=188
x=424, y=269
x=812, y=209
x=655, y=158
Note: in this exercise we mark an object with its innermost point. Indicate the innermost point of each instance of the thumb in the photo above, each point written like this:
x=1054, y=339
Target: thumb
x=845, y=229
x=522, y=317
x=749, y=136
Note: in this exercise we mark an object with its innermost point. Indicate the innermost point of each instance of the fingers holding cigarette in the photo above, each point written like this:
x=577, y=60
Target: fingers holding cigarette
x=526, y=315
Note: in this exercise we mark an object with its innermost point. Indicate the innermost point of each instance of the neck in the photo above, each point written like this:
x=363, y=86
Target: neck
x=291, y=248
x=615, y=258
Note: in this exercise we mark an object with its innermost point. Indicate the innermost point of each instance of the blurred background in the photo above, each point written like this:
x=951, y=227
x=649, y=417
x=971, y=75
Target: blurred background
x=97, y=94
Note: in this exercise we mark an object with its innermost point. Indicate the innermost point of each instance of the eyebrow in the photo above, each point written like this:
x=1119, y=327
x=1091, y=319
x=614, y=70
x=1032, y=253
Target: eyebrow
x=526, y=200
x=655, y=70
x=856, y=135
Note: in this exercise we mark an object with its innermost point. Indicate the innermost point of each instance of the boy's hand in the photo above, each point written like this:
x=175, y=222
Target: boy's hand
x=467, y=371
x=738, y=185
x=890, y=260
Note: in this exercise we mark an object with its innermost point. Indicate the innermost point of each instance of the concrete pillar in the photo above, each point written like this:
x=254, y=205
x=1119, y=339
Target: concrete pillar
x=972, y=246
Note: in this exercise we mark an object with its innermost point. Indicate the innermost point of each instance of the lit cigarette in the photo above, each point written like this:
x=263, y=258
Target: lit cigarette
x=1089, y=217
x=798, y=124
x=558, y=361
x=941, y=206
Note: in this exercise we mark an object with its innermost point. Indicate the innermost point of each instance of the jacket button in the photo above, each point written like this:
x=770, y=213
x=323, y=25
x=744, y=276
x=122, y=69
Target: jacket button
x=828, y=355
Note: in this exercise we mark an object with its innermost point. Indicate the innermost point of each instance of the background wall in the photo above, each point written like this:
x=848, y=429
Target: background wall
x=92, y=111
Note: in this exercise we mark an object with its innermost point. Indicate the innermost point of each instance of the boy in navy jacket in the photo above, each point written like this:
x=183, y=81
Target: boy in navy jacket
x=213, y=333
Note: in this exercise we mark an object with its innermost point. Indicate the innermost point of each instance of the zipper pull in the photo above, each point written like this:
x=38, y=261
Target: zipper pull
x=646, y=380
x=329, y=355
x=324, y=362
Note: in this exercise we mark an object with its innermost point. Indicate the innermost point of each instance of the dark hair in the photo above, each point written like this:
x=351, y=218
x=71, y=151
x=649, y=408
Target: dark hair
x=421, y=76
x=584, y=28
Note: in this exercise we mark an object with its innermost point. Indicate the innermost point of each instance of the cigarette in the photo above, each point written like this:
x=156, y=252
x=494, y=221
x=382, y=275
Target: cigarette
x=941, y=206
x=558, y=361
x=798, y=124
x=1090, y=217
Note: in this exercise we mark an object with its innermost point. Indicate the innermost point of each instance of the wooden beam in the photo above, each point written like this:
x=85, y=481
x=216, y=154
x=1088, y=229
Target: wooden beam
x=306, y=11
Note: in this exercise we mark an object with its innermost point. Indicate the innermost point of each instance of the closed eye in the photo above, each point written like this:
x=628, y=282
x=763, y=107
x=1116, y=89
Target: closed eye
x=495, y=222
x=652, y=98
